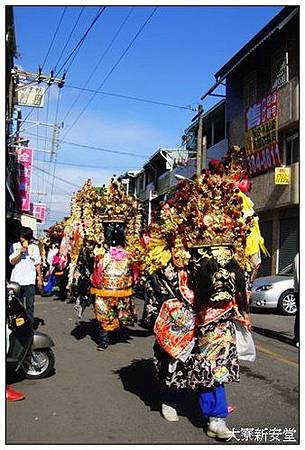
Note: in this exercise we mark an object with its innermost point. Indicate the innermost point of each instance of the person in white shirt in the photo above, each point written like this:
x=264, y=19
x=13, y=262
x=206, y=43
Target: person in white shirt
x=25, y=257
x=53, y=251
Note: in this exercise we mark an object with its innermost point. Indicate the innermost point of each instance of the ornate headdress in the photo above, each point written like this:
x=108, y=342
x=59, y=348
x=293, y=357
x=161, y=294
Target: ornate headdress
x=206, y=212
x=56, y=232
x=92, y=207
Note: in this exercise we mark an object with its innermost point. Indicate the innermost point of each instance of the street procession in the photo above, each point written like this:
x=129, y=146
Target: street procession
x=154, y=301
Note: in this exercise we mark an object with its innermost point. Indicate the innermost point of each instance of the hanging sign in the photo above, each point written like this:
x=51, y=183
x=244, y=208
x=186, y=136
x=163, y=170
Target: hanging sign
x=39, y=211
x=282, y=175
x=29, y=95
x=25, y=162
x=261, y=140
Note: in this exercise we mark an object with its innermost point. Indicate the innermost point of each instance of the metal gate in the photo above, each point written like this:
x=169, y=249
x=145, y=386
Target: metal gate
x=289, y=241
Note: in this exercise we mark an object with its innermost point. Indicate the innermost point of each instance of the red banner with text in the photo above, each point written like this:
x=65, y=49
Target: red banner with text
x=261, y=140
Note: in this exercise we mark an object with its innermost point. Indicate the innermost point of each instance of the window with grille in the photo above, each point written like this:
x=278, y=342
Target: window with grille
x=292, y=149
x=250, y=89
x=219, y=129
x=279, y=68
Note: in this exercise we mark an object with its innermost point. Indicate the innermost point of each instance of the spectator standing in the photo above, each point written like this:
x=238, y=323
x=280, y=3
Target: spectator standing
x=297, y=300
x=53, y=251
x=61, y=274
x=25, y=257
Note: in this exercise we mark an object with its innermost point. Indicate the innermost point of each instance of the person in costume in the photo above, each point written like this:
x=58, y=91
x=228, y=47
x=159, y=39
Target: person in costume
x=112, y=281
x=198, y=256
x=117, y=227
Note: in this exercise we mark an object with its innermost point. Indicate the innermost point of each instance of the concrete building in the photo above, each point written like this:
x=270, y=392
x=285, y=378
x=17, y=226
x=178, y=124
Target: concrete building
x=157, y=180
x=10, y=157
x=15, y=219
x=213, y=134
x=262, y=114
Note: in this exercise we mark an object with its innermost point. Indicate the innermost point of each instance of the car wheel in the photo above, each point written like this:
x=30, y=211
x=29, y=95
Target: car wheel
x=287, y=304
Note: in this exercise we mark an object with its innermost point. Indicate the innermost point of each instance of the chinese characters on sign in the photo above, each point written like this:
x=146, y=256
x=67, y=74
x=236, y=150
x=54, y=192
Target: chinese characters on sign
x=25, y=162
x=39, y=211
x=282, y=175
x=262, y=135
x=30, y=96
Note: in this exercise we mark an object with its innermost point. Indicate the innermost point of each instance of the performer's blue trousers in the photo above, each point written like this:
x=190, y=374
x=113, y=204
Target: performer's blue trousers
x=213, y=402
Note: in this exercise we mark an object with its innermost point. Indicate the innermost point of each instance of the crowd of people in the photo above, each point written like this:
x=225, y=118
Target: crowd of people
x=197, y=257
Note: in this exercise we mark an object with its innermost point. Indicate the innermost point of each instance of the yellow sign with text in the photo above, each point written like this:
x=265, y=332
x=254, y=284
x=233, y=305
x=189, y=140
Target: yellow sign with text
x=282, y=175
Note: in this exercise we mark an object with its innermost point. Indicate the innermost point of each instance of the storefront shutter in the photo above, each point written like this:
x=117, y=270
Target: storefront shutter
x=289, y=241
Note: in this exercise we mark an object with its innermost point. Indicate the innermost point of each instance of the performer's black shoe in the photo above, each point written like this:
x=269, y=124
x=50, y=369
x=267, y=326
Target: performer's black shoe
x=102, y=346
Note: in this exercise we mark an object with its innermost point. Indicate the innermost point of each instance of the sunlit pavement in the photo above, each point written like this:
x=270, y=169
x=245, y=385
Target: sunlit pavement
x=111, y=397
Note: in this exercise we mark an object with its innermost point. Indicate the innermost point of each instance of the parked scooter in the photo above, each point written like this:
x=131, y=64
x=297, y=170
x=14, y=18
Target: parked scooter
x=29, y=351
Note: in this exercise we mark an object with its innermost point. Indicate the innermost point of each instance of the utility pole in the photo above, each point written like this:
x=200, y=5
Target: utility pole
x=27, y=86
x=199, y=141
x=33, y=78
x=54, y=142
x=204, y=152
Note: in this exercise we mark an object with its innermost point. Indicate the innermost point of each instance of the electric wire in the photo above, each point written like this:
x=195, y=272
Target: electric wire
x=74, y=56
x=56, y=149
x=47, y=129
x=138, y=99
x=69, y=37
x=101, y=149
x=71, y=54
x=113, y=68
x=99, y=61
x=62, y=190
x=54, y=36
x=81, y=41
x=37, y=139
x=90, y=166
x=58, y=178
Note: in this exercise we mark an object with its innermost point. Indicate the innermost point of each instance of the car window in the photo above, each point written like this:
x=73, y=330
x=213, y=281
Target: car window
x=288, y=270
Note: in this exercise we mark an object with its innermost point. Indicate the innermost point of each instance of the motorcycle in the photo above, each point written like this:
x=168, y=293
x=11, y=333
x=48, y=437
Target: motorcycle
x=29, y=351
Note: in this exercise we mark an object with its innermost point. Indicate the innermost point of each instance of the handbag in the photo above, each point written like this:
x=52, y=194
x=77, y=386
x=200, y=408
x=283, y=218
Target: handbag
x=244, y=343
x=175, y=327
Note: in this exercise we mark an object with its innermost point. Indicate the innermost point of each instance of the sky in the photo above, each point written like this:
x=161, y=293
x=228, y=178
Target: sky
x=170, y=59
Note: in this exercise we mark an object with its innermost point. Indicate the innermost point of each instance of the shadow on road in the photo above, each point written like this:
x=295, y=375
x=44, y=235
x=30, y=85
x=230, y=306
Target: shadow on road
x=37, y=322
x=83, y=329
x=138, y=378
x=278, y=335
x=121, y=335
x=266, y=311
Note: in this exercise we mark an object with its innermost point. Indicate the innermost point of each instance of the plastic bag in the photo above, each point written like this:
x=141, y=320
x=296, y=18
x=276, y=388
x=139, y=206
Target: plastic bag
x=244, y=343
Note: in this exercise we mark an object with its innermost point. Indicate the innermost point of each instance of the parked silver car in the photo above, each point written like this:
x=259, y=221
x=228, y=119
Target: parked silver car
x=275, y=291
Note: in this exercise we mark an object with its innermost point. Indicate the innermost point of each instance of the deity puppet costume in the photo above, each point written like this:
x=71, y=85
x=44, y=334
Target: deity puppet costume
x=196, y=261
x=101, y=235
x=115, y=267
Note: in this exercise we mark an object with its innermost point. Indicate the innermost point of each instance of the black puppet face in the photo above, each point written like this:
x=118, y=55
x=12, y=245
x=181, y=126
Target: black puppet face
x=214, y=274
x=114, y=233
x=223, y=282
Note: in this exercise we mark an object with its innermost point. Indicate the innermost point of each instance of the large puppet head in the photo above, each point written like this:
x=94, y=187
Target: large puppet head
x=106, y=215
x=205, y=212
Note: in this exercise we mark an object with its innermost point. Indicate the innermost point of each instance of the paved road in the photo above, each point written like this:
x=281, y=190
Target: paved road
x=111, y=397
